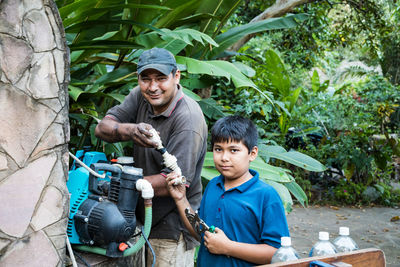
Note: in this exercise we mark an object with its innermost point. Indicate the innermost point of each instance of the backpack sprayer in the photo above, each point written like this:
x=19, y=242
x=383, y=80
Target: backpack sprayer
x=103, y=200
x=102, y=206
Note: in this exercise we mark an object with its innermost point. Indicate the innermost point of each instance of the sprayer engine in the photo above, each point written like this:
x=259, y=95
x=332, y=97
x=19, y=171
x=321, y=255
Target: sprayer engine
x=102, y=210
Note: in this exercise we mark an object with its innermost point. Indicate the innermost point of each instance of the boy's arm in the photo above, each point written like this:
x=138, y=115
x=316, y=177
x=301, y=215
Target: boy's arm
x=219, y=243
x=178, y=193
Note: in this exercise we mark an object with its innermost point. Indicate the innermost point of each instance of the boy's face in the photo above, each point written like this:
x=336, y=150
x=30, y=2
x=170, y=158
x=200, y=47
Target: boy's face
x=232, y=160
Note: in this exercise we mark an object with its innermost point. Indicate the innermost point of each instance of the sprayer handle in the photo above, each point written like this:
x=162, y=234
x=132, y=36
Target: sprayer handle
x=94, y=181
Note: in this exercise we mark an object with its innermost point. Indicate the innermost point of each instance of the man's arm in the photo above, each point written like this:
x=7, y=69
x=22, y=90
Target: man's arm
x=113, y=131
x=159, y=184
x=219, y=243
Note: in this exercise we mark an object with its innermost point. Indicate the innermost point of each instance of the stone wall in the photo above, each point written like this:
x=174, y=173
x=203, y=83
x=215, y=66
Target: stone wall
x=34, y=132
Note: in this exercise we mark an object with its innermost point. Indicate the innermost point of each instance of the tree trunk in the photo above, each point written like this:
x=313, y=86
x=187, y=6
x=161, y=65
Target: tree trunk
x=280, y=8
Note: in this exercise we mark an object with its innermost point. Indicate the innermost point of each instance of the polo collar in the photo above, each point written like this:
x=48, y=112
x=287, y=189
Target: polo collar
x=178, y=97
x=243, y=187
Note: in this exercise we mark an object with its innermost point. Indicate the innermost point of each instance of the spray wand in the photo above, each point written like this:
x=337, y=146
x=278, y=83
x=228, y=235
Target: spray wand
x=170, y=161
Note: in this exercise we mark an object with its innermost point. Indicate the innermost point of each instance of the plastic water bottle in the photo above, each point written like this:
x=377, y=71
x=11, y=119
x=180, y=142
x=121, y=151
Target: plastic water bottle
x=344, y=243
x=285, y=252
x=323, y=246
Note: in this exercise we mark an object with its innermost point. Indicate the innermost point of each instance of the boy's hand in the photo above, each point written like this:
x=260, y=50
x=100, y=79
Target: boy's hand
x=216, y=242
x=177, y=192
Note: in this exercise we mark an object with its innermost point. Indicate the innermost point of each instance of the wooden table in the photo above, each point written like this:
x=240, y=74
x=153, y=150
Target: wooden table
x=370, y=257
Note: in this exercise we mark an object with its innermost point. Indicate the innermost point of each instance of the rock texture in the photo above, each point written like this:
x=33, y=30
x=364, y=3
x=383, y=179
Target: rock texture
x=34, y=71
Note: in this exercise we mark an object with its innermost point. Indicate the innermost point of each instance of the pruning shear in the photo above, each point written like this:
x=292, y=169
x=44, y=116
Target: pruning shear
x=198, y=224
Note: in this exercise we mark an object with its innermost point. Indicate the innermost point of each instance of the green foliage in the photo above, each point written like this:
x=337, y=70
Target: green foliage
x=106, y=38
x=359, y=140
x=293, y=157
x=351, y=193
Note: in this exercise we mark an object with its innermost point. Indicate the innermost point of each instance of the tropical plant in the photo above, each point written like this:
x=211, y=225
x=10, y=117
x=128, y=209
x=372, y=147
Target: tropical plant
x=106, y=37
x=359, y=141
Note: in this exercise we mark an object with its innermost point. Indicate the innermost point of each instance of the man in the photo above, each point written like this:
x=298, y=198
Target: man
x=159, y=102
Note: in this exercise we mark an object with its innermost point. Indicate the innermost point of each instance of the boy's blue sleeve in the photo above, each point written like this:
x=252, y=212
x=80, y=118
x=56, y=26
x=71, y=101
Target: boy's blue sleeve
x=273, y=221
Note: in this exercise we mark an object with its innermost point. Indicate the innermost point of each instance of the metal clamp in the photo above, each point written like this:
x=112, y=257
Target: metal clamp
x=198, y=224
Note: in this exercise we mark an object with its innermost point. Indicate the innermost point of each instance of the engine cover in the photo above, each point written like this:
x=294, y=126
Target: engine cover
x=101, y=222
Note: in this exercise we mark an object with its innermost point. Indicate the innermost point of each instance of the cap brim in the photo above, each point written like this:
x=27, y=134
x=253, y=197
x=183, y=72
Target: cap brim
x=164, y=69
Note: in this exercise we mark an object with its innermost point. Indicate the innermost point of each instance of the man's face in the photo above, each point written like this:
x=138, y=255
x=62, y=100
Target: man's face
x=158, y=89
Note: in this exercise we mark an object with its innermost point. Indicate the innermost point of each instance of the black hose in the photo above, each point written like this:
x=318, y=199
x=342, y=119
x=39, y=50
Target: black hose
x=82, y=259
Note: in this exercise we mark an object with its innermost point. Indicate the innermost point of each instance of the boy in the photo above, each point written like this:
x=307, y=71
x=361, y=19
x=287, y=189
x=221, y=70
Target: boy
x=248, y=214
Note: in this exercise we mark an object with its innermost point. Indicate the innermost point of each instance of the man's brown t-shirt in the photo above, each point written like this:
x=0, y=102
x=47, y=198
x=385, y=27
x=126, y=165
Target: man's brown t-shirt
x=183, y=131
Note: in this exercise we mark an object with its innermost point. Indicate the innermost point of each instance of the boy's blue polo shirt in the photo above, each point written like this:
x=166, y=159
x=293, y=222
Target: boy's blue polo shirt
x=250, y=213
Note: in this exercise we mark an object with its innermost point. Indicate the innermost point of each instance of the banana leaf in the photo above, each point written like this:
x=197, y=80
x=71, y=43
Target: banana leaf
x=231, y=36
x=293, y=157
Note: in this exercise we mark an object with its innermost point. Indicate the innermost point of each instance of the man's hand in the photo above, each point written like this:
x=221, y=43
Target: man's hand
x=112, y=131
x=217, y=242
x=140, y=134
x=177, y=192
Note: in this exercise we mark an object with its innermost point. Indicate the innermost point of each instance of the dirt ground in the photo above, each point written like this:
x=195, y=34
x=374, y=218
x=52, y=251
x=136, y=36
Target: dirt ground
x=370, y=227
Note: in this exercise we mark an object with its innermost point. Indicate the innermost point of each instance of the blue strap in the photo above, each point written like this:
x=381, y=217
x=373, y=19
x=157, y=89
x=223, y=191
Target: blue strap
x=320, y=264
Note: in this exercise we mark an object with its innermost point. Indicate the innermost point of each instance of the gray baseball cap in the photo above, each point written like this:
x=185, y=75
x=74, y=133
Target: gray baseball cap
x=157, y=58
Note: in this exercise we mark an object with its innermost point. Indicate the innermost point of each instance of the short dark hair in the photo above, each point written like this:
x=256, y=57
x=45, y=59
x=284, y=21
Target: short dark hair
x=235, y=128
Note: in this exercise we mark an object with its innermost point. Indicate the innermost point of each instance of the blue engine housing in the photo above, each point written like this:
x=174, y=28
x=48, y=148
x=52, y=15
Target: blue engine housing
x=78, y=187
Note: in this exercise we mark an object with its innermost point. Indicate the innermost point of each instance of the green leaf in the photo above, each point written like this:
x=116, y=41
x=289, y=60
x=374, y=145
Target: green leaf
x=73, y=7
x=195, y=66
x=209, y=160
x=120, y=98
x=116, y=75
x=245, y=69
x=234, y=34
x=220, y=11
x=117, y=148
x=183, y=10
x=219, y=68
x=292, y=98
x=211, y=108
x=106, y=45
x=276, y=74
x=74, y=92
x=269, y=172
x=271, y=149
x=296, y=158
x=196, y=82
x=79, y=27
x=315, y=82
x=83, y=72
x=187, y=35
x=208, y=173
x=191, y=94
x=297, y=192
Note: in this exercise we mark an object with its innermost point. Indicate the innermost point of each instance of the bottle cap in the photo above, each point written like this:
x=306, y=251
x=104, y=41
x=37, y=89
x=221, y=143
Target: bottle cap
x=344, y=231
x=323, y=236
x=286, y=241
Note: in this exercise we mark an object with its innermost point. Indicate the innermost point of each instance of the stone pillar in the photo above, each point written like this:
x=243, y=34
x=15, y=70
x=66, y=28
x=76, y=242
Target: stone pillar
x=34, y=132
